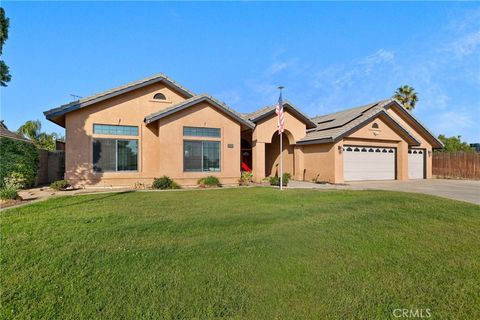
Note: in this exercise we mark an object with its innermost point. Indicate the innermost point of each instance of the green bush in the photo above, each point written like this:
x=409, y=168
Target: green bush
x=60, y=185
x=164, y=183
x=8, y=193
x=15, y=180
x=246, y=178
x=275, y=180
x=175, y=185
x=210, y=181
x=18, y=157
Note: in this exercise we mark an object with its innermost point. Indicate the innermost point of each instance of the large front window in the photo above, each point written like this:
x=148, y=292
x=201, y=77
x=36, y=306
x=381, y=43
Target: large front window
x=201, y=156
x=115, y=155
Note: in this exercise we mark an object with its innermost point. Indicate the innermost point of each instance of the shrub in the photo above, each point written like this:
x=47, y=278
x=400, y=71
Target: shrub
x=275, y=180
x=210, y=181
x=175, y=185
x=246, y=178
x=164, y=183
x=8, y=193
x=60, y=185
x=19, y=157
x=15, y=180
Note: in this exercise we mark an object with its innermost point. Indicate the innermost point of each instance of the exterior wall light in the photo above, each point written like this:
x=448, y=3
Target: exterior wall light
x=340, y=149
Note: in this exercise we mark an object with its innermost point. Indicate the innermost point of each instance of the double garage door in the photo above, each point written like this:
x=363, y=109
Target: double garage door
x=376, y=163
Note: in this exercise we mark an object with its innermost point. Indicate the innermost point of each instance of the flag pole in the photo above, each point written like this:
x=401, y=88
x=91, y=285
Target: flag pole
x=281, y=162
x=281, y=146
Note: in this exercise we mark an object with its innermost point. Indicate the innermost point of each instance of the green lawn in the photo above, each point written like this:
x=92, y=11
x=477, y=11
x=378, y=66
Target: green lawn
x=249, y=253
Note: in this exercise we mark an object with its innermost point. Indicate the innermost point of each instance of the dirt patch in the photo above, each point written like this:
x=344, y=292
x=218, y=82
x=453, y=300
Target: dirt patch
x=10, y=203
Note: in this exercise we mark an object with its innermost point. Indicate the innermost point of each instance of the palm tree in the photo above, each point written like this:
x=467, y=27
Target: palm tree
x=407, y=96
x=32, y=129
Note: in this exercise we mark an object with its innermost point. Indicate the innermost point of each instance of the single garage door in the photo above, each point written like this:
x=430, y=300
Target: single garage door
x=416, y=164
x=368, y=163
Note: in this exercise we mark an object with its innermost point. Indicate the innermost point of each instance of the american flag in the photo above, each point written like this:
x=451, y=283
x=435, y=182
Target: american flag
x=280, y=114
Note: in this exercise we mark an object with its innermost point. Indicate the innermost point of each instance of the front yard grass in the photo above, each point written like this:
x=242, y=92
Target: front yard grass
x=250, y=253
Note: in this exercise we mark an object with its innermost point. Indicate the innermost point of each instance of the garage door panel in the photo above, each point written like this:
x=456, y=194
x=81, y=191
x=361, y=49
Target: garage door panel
x=416, y=164
x=367, y=163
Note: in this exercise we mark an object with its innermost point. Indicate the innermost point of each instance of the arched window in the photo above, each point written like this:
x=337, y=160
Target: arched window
x=375, y=125
x=159, y=96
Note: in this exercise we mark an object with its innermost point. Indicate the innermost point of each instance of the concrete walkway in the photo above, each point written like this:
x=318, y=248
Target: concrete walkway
x=463, y=190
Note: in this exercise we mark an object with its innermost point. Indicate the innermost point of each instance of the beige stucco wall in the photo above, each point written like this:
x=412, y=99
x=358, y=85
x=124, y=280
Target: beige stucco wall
x=131, y=109
x=265, y=128
x=319, y=162
x=170, y=146
x=263, y=147
x=414, y=131
x=272, y=156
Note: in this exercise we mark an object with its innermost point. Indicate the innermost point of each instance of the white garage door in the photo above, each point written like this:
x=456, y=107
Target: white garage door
x=416, y=164
x=368, y=163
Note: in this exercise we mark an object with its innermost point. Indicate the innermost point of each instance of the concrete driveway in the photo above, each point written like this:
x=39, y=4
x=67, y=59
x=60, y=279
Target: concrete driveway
x=463, y=190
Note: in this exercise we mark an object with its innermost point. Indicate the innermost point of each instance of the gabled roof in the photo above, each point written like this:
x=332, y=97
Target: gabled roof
x=335, y=126
x=287, y=105
x=5, y=133
x=410, y=115
x=84, y=102
x=195, y=100
x=341, y=118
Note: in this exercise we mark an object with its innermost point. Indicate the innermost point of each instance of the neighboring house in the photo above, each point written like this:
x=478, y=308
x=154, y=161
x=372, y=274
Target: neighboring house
x=5, y=133
x=156, y=127
x=51, y=164
x=475, y=146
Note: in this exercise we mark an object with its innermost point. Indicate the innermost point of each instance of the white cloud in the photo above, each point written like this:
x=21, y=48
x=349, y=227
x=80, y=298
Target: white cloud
x=276, y=67
x=452, y=123
x=279, y=66
x=434, y=98
x=466, y=45
x=379, y=57
x=229, y=96
x=361, y=80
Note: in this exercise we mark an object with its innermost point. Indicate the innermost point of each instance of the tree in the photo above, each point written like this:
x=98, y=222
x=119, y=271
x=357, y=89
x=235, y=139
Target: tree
x=407, y=96
x=4, y=71
x=32, y=130
x=454, y=144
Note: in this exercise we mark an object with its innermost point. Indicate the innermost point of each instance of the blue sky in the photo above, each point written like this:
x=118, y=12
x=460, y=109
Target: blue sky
x=329, y=56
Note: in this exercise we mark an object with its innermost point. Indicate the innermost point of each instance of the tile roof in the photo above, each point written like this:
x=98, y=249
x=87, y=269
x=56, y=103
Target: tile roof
x=334, y=126
x=4, y=132
x=83, y=102
x=193, y=101
x=341, y=118
x=268, y=110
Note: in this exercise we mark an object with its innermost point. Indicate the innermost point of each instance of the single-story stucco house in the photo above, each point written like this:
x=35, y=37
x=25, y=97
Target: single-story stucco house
x=155, y=126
